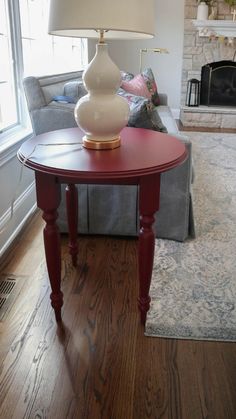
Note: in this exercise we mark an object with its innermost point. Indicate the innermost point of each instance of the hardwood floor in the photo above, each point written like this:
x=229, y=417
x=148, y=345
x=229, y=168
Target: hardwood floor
x=99, y=364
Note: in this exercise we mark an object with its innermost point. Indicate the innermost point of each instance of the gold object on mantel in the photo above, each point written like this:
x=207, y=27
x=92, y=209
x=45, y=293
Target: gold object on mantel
x=233, y=12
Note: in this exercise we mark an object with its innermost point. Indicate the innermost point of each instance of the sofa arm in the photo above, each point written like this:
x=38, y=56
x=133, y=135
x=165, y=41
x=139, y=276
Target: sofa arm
x=33, y=92
x=188, y=145
x=167, y=118
x=175, y=219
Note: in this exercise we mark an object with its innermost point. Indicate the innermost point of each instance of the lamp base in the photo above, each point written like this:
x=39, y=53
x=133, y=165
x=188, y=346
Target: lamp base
x=101, y=145
x=102, y=113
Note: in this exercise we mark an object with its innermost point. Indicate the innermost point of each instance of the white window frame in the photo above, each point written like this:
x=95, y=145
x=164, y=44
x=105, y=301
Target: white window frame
x=22, y=129
x=14, y=23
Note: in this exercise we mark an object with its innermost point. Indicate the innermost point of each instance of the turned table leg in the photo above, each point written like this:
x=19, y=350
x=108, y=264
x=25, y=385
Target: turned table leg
x=149, y=195
x=48, y=199
x=72, y=217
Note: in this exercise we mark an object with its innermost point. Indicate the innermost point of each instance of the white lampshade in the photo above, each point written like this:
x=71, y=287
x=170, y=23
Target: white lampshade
x=124, y=19
x=102, y=113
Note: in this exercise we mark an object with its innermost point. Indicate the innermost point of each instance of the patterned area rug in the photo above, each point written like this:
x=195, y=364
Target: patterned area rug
x=193, y=287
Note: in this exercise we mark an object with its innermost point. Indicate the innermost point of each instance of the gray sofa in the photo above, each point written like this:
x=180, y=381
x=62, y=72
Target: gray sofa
x=113, y=209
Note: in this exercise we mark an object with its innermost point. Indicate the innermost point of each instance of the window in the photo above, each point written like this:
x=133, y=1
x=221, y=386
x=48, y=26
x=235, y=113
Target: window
x=27, y=49
x=8, y=102
x=42, y=53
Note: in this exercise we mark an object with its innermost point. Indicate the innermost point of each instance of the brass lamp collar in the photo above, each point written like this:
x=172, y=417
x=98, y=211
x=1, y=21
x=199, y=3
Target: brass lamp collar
x=101, y=35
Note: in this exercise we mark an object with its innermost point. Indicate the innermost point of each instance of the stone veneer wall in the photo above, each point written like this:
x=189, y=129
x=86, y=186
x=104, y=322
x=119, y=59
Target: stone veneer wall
x=199, y=51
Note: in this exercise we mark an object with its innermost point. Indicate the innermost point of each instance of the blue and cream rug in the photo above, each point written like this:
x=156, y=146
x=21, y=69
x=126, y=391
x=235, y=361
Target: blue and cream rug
x=193, y=287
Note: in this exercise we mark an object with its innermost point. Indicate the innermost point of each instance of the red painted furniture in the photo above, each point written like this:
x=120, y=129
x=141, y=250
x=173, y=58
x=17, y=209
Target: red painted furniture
x=142, y=157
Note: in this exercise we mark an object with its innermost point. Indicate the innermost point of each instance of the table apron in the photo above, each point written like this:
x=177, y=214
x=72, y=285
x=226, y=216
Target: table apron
x=96, y=181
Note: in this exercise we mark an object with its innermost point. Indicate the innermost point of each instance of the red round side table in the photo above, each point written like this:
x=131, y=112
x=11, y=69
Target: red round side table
x=142, y=157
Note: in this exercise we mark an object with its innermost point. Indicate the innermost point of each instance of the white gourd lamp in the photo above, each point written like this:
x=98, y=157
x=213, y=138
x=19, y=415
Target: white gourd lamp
x=102, y=114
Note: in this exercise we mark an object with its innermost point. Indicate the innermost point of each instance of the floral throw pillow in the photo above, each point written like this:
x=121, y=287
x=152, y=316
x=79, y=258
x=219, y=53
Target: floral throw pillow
x=126, y=76
x=143, y=84
x=142, y=112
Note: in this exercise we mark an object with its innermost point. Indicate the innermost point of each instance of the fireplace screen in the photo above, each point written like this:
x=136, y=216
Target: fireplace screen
x=218, y=84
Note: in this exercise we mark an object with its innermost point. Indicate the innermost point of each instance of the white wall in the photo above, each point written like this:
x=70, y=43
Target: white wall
x=16, y=185
x=166, y=67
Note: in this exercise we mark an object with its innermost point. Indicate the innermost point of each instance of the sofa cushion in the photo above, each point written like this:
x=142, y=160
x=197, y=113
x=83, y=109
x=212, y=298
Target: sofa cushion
x=143, y=84
x=74, y=89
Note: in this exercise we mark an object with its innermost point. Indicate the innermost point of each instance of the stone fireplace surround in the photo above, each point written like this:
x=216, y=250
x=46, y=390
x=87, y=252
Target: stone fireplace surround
x=197, y=52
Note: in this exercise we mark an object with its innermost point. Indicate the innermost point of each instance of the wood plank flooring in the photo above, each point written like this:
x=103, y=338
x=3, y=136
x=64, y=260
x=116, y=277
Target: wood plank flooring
x=99, y=364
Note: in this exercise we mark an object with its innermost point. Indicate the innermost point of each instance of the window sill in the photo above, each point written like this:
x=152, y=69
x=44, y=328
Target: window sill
x=10, y=143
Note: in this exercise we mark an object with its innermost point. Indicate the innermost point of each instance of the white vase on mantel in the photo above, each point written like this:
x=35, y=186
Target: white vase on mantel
x=202, y=11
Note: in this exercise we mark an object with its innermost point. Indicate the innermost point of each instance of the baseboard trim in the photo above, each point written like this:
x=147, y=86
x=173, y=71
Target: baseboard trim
x=24, y=207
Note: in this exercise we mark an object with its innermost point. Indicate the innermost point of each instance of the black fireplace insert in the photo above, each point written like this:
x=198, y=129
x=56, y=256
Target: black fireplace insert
x=218, y=84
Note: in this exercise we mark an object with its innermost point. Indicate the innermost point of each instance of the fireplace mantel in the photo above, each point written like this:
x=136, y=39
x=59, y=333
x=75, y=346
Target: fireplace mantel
x=226, y=28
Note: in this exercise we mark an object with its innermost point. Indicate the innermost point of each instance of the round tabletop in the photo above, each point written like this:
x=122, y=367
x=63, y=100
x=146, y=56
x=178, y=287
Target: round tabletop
x=142, y=152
